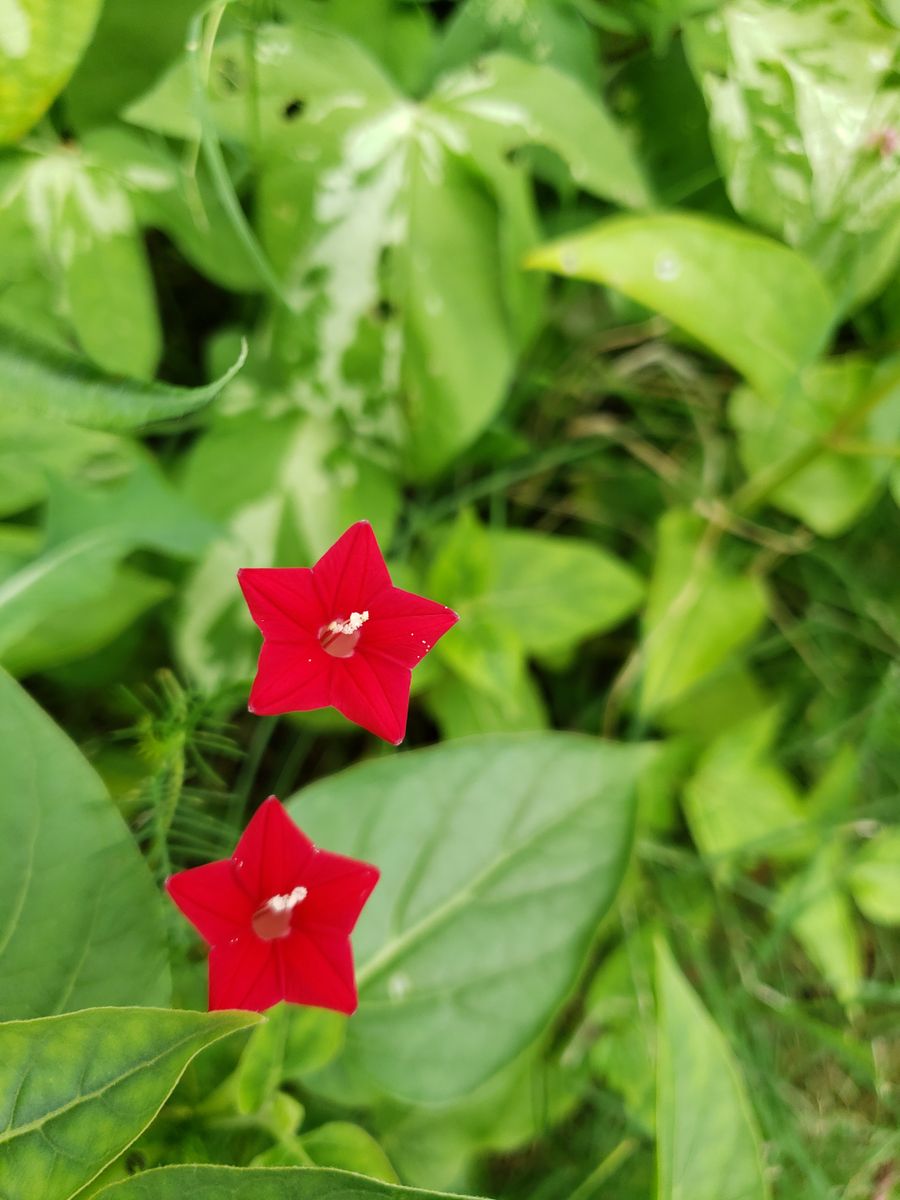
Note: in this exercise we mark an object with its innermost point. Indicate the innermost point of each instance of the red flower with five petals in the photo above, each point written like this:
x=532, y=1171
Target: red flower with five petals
x=340, y=634
x=278, y=916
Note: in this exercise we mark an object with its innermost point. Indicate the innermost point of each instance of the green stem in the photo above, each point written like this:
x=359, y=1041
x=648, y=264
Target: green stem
x=199, y=49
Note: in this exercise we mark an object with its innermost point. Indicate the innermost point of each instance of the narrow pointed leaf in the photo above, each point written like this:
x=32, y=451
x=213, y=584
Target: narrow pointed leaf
x=76, y=1090
x=708, y=1146
x=41, y=382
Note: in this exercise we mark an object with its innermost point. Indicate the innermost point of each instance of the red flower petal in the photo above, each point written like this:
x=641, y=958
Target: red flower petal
x=351, y=574
x=273, y=855
x=406, y=626
x=283, y=601
x=340, y=633
x=291, y=678
x=212, y=900
x=278, y=915
x=318, y=970
x=338, y=889
x=246, y=973
x=372, y=693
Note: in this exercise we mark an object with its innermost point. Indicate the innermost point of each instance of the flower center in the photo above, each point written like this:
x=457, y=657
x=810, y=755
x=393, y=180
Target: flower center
x=339, y=638
x=273, y=919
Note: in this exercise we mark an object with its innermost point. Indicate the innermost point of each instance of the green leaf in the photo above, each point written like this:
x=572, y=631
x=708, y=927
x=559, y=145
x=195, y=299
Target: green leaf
x=78, y=1089
x=708, y=1145
x=32, y=451
x=553, y=592
x=798, y=97
x=757, y=304
x=516, y=103
x=698, y=613
x=461, y=709
x=73, y=631
x=833, y=490
x=874, y=878
x=37, y=381
x=518, y=593
x=73, y=883
x=89, y=531
x=814, y=906
x=262, y=1183
x=41, y=43
x=82, y=223
x=499, y=856
x=349, y=1148
x=740, y=805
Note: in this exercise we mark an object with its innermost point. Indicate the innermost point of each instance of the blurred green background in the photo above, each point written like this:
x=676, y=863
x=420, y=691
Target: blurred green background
x=592, y=308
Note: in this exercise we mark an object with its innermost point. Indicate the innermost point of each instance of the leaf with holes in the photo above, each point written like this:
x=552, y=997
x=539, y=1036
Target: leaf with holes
x=78, y=1089
x=73, y=882
x=499, y=856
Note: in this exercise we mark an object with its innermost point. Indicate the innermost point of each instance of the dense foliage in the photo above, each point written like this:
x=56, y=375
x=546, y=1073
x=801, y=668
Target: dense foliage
x=591, y=307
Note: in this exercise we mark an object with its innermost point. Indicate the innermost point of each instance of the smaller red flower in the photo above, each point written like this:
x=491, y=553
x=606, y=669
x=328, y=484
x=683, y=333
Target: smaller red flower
x=277, y=916
x=340, y=634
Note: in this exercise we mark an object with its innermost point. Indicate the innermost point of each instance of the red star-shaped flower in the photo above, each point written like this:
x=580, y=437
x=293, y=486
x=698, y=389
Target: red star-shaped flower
x=340, y=634
x=278, y=916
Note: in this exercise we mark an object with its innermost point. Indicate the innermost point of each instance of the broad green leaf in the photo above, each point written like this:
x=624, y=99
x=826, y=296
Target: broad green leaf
x=757, y=304
x=553, y=591
x=78, y=1089
x=740, y=805
x=36, y=381
x=262, y=1183
x=169, y=194
x=362, y=193
x=515, y=103
x=874, y=878
x=815, y=907
x=349, y=1148
x=73, y=631
x=89, y=531
x=698, y=613
x=73, y=883
x=522, y=593
x=799, y=96
x=33, y=450
x=499, y=855
x=125, y=56
x=285, y=487
x=40, y=44
x=831, y=492
x=461, y=709
x=708, y=1145
x=85, y=233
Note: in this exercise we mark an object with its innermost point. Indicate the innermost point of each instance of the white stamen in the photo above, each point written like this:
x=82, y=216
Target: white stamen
x=288, y=902
x=355, y=621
